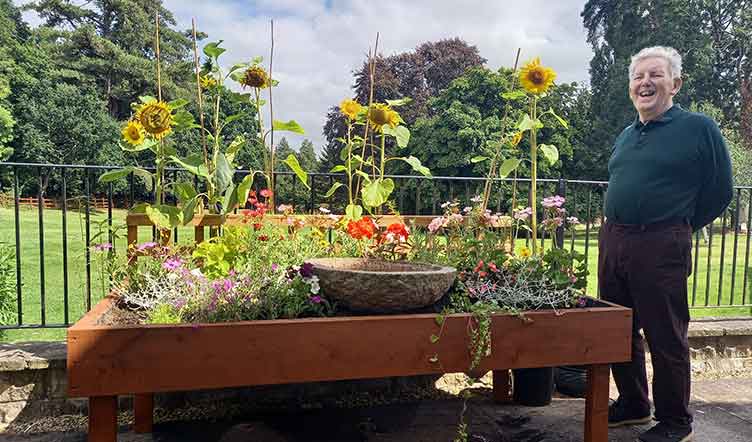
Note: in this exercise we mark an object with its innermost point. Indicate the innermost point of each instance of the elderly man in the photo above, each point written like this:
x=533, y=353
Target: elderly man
x=669, y=175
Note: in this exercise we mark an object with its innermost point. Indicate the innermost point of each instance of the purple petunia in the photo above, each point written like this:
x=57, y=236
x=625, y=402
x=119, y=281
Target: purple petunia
x=306, y=270
x=172, y=264
x=316, y=299
x=146, y=246
x=103, y=246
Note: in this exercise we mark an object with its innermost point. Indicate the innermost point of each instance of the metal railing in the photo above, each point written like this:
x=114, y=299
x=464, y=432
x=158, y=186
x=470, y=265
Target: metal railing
x=55, y=269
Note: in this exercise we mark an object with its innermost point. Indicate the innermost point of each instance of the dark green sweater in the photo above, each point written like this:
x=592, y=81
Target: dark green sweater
x=676, y=167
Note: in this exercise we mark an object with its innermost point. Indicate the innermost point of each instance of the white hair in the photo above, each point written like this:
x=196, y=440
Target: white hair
x=669, y=54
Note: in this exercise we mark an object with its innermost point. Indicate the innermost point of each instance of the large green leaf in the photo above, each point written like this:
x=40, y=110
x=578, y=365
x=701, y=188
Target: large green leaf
x=232, y=118
x=230, y=199
x=183, y=121
x=332, y=189
x=234, y=147
x=353, y=211
x=528, y=124
x=561, y=121
x=189, y=209
x=213, y=50
x=400, y=133
x=400, y=102
x=147, y=144
x=115, y=175
x=164, y=216
x=417, y=166
x=377, y=192
x=479, y=159
x=184, y=191
x=293, y=164
x=550, y=152
x=289, y=126
x=223, y=173
x=193, y=163
x=338, y=168
x=239, y=98
x=239, y=66
x=146, y=99
x=244, y=188
x=508, y=166
x=177, y=104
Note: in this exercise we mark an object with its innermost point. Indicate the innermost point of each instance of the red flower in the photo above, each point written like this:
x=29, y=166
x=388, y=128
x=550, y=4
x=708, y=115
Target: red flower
x=478, y=267
x=363, y=228
x=263, y=238
x=257, y=226
x=492, y=267
x=399, y=230
x=266, y=193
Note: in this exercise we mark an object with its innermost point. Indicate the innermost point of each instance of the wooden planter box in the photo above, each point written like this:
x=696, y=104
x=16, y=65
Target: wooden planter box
x=107, y=361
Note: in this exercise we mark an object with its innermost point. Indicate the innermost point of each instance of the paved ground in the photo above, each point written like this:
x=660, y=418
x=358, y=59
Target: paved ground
x=723, y=413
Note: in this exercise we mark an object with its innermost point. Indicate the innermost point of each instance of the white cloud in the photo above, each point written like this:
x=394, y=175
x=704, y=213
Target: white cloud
x=319, y=43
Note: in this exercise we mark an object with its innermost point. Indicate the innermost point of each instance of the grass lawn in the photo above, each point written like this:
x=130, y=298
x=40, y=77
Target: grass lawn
x=77, y=274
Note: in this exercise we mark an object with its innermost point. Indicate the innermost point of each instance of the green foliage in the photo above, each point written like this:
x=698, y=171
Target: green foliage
x=7, y=284
x=164, y=314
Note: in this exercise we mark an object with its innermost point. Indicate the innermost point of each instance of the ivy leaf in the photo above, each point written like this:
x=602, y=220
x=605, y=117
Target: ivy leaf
x=440, y=320
x=550, y=152
x=528, y=123
x=417, y=166
x=290, y=126
x=213, y=50
x=508, y=166
x=400, y=102
x=293, y=164
x=400, y=133
x=332, y=189
x=479, y=159
x=353, y=212
x=434, y=339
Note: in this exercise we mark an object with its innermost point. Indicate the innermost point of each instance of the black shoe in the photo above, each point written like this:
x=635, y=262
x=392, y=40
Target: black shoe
x=620, y=414
x=668, y=433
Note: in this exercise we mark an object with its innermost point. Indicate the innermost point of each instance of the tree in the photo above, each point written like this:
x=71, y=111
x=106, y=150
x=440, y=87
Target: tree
x=111, y=43
x=307, y=157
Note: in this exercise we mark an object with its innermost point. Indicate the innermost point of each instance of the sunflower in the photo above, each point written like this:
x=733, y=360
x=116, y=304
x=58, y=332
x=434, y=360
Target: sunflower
x=516, y=138
x=256, y=77
x=525, y=252
x=208, y=82
x=535, y=78
x=350, y=108
x=133, y=133
x=381, y=114
x=156, y=118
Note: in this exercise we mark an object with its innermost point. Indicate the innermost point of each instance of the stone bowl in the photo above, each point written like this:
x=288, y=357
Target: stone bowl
x=377, y=286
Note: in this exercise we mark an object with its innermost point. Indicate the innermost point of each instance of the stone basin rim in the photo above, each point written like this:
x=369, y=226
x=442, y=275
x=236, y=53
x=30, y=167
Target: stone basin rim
x=434, y=269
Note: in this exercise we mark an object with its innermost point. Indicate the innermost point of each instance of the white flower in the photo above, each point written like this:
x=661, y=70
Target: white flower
x=315, y=287
x=197, y=273
x=476, y=199
x=324, y=210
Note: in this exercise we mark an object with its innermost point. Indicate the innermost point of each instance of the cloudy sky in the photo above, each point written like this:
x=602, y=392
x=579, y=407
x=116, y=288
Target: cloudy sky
x=318, y=43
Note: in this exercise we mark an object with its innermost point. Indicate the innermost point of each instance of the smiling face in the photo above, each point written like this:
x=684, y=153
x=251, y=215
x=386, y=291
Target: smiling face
x=651, y=87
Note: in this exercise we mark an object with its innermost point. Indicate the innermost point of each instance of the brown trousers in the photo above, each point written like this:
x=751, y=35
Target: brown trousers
x=645, y=267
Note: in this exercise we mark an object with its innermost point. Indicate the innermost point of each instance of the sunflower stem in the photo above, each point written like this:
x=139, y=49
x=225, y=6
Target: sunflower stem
x=534, y=175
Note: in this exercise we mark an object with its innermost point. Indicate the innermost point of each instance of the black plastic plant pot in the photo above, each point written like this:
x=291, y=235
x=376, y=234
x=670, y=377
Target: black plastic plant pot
x=533, y=387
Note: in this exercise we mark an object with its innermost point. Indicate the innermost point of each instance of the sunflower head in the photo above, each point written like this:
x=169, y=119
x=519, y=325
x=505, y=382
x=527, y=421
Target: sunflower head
x=516, y=138
x=255, y=76
x=156, y=118
x=208, y=81
x=381, y=114
x=350, y=109
x=133, y=133
x=535, y=78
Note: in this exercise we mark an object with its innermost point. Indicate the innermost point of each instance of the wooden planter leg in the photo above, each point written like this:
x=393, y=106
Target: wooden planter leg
x=502, y=386
x=143, y=411
x=103, y=413
x=596, y=404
